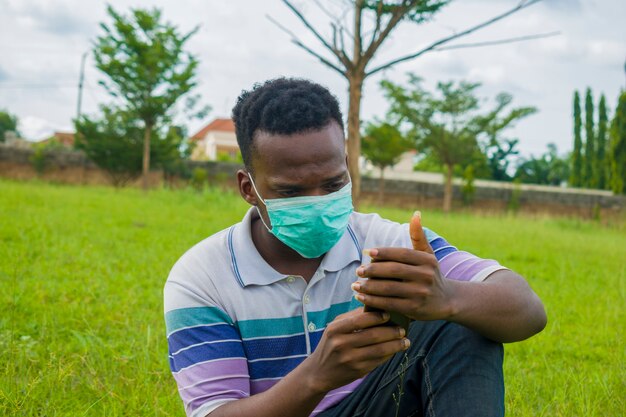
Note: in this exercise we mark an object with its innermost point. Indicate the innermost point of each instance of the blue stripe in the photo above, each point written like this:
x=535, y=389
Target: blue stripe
x=441, y=253
x=275, y=347
x=437, y=243
x=194, y=335
x=356, y=242
x=315, y=337
x=232, y=256
x=270, y=327
x=205, y=353
x=273, y=369
x=323, y=317
x=194, y=316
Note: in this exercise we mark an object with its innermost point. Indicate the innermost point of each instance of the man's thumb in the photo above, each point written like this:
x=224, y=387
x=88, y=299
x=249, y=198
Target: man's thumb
x=418, y=237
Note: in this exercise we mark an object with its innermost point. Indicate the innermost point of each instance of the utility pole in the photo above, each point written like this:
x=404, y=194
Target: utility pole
x=80, y=84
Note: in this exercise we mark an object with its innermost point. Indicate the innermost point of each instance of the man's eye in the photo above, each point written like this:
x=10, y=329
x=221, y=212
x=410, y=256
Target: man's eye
x=335, y=186
x=288, y=193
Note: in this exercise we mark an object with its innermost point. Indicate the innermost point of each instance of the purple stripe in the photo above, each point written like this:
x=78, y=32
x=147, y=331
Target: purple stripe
x=472, y=270
x=450, y=261
x=262, y=385
x=333, y=398
x=463, y=266
x=230, y=387
x=211, y=370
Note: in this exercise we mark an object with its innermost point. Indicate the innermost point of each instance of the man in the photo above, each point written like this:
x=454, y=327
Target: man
x=266, y=317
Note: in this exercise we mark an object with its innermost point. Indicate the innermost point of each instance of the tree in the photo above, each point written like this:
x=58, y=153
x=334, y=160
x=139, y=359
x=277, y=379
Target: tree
x=496, y=148
x=576, y=176
x=8, y=123
x=617, y=147
x=147, y=68
x=383, y=145
x=549, y=169
x=442, y=125
x=590, y=153
x=372, y=23
x=114, y=142
x=602, y=168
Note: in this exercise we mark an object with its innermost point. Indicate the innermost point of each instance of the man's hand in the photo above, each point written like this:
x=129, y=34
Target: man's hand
x=407, y=281
x=353, y=345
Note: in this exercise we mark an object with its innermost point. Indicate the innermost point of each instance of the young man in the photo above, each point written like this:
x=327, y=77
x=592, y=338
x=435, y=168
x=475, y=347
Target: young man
x=266, y=317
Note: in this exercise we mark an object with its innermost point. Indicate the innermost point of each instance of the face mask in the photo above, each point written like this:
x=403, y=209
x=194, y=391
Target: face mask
x=310, y=225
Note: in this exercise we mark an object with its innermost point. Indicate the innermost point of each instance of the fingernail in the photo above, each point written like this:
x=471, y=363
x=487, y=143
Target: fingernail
x=370, y=252
x=406, y=343
x=359, y=297
x=385, y=316
x=418, y=214
x=402, y=331
x=360, y=270
x=356, y=286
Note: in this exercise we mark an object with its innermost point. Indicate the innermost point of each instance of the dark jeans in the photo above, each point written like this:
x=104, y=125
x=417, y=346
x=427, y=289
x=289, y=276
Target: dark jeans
x=451, y=371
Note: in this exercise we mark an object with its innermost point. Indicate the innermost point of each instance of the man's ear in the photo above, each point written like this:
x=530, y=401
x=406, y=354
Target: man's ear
x=245, y=188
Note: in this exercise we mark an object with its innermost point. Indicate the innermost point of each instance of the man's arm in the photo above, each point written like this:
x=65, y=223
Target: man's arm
x=503, y=307
x=351, y=346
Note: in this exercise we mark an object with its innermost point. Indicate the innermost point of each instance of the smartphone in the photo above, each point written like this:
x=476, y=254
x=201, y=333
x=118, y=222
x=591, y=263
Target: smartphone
x=395, y=319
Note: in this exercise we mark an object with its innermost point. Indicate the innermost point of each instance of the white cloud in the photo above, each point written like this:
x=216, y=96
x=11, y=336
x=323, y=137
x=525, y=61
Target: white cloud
x=36, y=129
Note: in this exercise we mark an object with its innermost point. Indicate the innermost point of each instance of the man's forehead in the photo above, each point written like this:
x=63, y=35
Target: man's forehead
x=313, y=147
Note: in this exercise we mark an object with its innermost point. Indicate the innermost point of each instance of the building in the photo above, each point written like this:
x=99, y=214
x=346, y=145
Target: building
x=65, y=139
x=216, y=141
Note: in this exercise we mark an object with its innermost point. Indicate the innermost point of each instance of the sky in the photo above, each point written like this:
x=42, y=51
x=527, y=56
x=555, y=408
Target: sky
x=42, y=41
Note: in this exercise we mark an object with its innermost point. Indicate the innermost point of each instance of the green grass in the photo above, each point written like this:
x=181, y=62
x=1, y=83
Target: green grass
x=82, y=271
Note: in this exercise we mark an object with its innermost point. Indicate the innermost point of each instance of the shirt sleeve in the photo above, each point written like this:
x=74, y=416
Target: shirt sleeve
x=206, y=355
x=460, y=265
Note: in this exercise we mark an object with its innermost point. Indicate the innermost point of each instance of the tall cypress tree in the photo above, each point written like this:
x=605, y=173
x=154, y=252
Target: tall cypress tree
x=590, y=153
x=575, y=179
x=602, y=168
x=617, y=147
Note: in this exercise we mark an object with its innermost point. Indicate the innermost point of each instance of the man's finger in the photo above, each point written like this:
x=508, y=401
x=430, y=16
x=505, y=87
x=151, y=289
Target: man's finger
x=357, y=322
x=402, y=255
x=418, y=237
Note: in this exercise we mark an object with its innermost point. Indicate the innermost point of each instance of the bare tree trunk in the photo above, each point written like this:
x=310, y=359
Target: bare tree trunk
x=381, y=186
x=146, y=156
x=354, y=135
x=447, y=190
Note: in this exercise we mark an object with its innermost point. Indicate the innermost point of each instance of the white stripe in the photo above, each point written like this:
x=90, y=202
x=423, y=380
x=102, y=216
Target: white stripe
x=340, y=392
x=217, y=378
x=208, y=407
x=482, y=275
x=271, y=337
x=209, y=361
x=266, y=379
x=197, y=325
x=277, y=359
x=203, y=343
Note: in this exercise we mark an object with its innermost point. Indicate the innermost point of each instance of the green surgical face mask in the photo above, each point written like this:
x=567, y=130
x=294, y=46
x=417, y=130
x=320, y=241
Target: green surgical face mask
x=310, y=225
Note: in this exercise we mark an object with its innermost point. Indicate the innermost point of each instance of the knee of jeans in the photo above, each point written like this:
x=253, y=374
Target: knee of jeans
x=460, y=339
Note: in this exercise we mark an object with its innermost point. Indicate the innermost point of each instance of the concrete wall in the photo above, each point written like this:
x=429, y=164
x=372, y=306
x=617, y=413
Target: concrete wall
x=73, y=167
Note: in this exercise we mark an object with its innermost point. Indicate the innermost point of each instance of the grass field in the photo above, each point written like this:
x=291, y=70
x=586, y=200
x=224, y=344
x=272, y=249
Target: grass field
x=82, y=271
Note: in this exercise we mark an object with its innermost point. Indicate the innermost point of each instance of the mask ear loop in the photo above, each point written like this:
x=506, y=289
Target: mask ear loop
x=260, y=198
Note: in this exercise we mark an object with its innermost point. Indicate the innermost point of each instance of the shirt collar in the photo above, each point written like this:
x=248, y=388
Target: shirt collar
x=250, y=268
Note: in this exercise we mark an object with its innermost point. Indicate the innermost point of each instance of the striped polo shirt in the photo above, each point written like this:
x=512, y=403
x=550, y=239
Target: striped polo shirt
x=235, y=326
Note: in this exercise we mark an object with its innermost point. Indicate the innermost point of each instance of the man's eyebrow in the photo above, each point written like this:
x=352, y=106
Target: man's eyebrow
x=291, y=186
x=335, y=178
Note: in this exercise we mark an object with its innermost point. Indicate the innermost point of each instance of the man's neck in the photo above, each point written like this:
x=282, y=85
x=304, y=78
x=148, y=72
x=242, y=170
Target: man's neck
x=280, y=256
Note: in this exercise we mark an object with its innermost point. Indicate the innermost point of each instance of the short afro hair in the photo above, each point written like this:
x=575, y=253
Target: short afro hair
x=282, y=106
